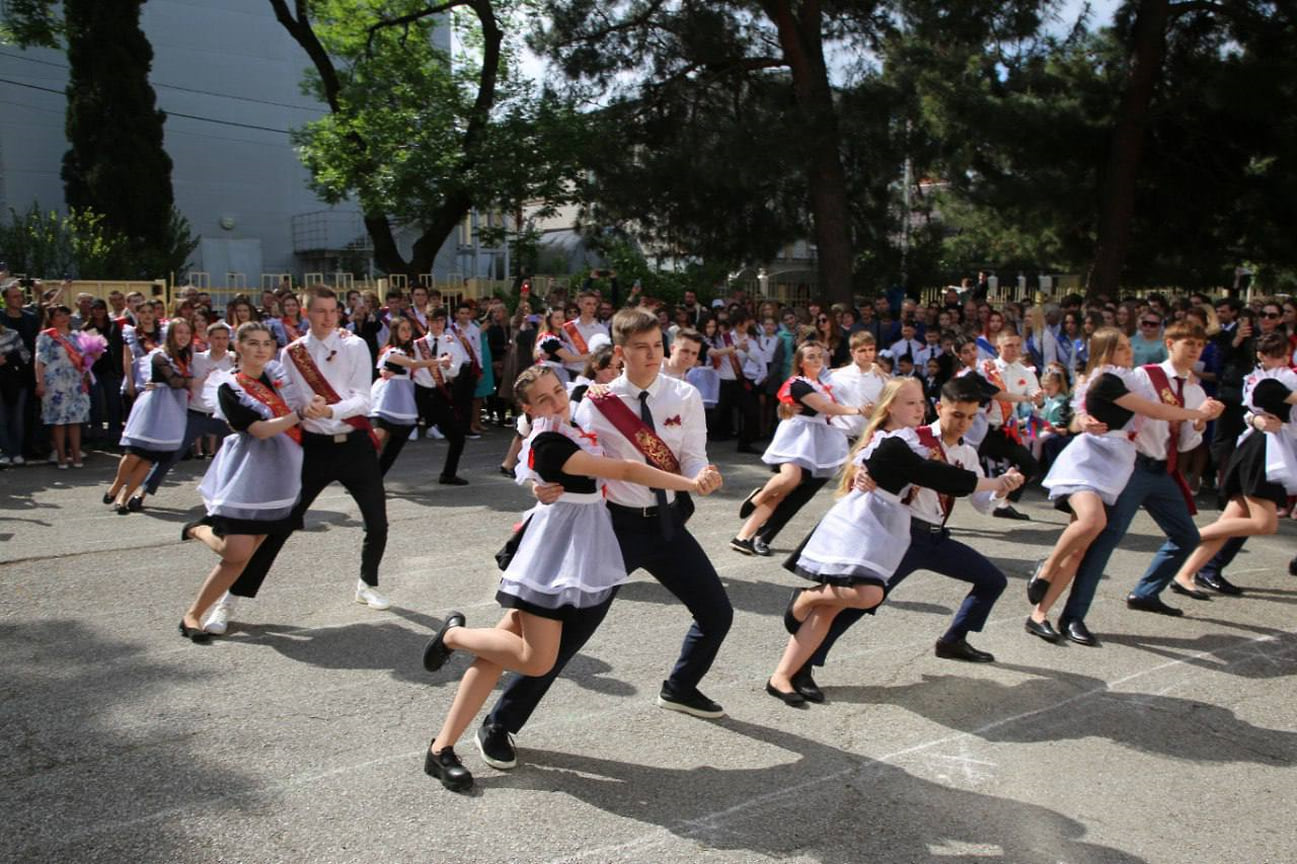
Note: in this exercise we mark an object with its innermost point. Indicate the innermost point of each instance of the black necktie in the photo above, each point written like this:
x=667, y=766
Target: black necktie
x=664, y=514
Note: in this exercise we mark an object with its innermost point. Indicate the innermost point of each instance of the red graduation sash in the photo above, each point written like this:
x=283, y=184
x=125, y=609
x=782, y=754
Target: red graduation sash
x=1169, y=396
x=574, y=333
x=644, y=439
x=735, y=364
x=468, y=349
x=991, y=373
x=415, y=324
x=271, y=399
x=321, y=387
x=290, y=330
x=425, y=352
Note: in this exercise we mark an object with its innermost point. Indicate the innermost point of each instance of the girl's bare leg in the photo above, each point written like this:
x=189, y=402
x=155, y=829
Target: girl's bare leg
x=235, y=552
x=1242, y=517
x=775, y=490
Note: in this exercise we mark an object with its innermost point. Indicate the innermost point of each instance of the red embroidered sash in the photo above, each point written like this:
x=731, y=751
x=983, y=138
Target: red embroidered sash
x=574, y=333
x=993, y=375
x=468, y=349
x=929, y=439
x=1172, y=396
x=438, y=377
x=271, y=399
x=291, y=331
x=416, y=326
x=73, y=354
x=644, y=439
x=321, y=387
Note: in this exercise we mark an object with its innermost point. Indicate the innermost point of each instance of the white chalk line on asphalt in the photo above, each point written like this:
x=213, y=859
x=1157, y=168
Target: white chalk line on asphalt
x=686, y=827
x=711, y=822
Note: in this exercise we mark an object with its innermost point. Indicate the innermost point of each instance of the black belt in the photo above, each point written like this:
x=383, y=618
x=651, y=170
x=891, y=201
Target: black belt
x=924, y=527
x=638, y=512
x=340, y=438
x=1157, y=466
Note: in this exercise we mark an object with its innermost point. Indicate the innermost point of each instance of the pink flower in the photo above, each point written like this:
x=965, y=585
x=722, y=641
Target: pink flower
x=91, y=345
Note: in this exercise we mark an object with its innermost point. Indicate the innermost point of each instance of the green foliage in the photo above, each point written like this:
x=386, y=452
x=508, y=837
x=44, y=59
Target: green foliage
x=46, y=244
x=31, y=24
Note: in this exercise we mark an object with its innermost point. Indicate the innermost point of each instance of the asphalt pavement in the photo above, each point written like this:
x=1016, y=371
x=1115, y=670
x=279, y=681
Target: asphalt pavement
x=300, y=736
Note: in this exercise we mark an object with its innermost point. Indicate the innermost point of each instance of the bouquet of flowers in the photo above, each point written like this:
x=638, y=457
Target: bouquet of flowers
x=92, y=346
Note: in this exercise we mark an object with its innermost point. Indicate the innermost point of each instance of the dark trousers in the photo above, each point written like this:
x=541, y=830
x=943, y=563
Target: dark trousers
x=392, y=447
x=451, y=419
x=683, y=569
x=1225, y=431
x=941, y=554
x=738, y=403
x=196, y=424
x=788, y=507
x=998, y=445
x=352, y=463
x=106, y=407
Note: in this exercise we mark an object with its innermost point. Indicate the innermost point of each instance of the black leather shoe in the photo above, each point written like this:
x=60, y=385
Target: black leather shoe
x=1152, y=604
x=804, y=684
x=748, y=505
x=1077, y=632
x=791, y=624
x=136, y=505
x=1217, y=583
x=447, y=768
x=1010, y=513
x=451, y=480
x=1195, y=593
x=1292, y=566
x=193, y=634
x=508, y=472
x=108, y=498
x=495, y=745
x=961, y=650
x=186, y=528
x=695, y=703
x=435, y=653
x=1037, y=588
x=1043, y=629
x=791, y=699
x=738, y=544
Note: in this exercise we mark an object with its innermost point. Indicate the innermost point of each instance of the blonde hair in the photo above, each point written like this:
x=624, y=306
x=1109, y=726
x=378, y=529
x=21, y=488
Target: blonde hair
x=1103, y=345
x=882, y=413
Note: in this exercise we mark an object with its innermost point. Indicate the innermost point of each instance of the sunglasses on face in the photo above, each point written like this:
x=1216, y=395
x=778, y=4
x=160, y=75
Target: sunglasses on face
x=1272, y=315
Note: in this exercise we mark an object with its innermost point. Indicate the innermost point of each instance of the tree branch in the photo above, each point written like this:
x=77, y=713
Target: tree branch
x=405, y=21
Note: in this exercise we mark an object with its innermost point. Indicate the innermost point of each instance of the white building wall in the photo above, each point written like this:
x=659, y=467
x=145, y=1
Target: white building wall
x=228, y=75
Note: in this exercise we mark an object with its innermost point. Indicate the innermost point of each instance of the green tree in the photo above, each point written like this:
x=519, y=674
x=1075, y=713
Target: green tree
x=417, y=137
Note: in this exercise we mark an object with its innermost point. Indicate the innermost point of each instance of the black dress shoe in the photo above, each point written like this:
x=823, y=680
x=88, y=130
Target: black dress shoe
x=748, y=505
x=122, y=510
x=1043, y=629
x=804, y=684
x=1077, y=632
x=451, y=480
x=791, y=624
x=108, y=498
x=447, y=768
x=1037, y=588
x=961, y=650
x=136, y=505
x=193, y=634
x=1292, y=566
x=1195, y=593
x=738, y=544
x=187, y=527
x=435, y=652
x=1010, y=513
x=1152, y=604
x=694, y=704
x=1217, y=583
x=508, y=472
x=791, y=699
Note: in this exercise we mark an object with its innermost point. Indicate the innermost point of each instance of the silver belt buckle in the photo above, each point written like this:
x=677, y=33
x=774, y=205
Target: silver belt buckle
x=340, y=438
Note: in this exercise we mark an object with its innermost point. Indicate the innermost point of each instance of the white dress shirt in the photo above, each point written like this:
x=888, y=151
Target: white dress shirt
x=926, y=504
x=907, y=346
x=587, y=332
x=740, y=343
x=856, y=389
x=473, y=336
x=437, y=346
x=343, y=358
x=669, y=399
x=1019, y=379
x=1153, y=434
x=202, y=366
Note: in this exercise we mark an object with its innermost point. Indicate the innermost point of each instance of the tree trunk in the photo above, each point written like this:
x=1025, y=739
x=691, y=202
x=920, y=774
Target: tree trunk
x=1117, y=205
x=446, y=217
x=803, y=49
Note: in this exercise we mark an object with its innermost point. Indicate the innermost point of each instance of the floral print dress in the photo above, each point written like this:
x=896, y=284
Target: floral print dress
x=64, y=401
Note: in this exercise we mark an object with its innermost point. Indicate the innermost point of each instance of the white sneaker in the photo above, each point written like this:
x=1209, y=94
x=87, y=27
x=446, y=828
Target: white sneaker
x=18, y=460
x=367, y=596
x=435, y=434
x=218, y=619
x=5, y=462
x=53, y=458
x=414, y=434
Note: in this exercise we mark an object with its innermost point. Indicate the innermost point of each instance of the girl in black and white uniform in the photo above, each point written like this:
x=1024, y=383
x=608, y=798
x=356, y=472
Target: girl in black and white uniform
x=254, y=482
x=1094, y=468
x=156, y=425
x=1262, y=472
x=392, y=406
x=567, y=560
x=855, y=549
x=804, y=441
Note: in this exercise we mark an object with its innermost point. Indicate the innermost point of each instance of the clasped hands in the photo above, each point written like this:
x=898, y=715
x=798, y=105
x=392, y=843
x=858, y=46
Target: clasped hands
x=707, y=481
x=317, y=409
